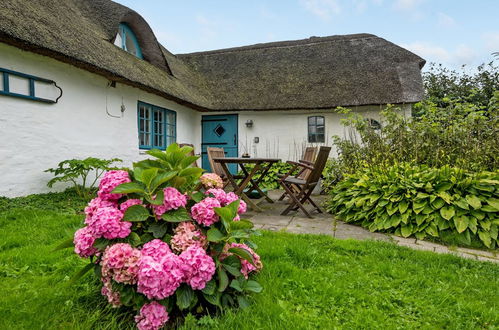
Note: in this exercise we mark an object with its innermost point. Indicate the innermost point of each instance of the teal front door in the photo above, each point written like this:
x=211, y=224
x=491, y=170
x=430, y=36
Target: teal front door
x=219, y=131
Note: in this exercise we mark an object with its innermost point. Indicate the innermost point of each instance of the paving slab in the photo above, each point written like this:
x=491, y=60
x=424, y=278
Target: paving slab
x=347, y=231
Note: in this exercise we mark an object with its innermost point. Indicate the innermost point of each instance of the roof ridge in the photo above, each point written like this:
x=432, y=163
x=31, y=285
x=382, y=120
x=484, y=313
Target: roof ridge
x=287, y=43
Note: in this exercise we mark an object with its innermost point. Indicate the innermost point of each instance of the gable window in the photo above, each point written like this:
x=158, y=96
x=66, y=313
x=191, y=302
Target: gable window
x=316, y=129
x=126, y=40
x=157, y=126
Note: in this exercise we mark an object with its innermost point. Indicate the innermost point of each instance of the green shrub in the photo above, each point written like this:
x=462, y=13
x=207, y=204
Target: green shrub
x=462, y=135
x=77, y=171
x=421, y=201
x=443, y=85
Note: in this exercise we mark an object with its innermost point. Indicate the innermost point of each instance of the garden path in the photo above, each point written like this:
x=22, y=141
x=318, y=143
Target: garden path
x=270, y=219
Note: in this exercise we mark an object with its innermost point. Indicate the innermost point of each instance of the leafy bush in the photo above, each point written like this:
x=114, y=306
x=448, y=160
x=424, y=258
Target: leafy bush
x=77, y=172
x=162, y=249
x=444, y=86
x=421, y=201
x=461, y=135
x=271, y=179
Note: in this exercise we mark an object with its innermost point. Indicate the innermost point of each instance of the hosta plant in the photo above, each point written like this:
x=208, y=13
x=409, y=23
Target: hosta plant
x=163, y=250
x=420, y=201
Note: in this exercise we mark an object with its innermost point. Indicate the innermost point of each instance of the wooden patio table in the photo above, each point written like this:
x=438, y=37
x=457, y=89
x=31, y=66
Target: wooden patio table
x=262, y=164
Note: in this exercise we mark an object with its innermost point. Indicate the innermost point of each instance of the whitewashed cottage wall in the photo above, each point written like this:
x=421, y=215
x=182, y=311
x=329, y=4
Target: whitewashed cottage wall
x=35, y=136
x=284, y=134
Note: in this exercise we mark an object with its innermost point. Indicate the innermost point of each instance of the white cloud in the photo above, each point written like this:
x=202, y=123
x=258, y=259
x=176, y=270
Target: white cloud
x=462, y=54
x=406, y=5
x=491, y=40
x=428, y=51
x=445, y=21
x=324, y=9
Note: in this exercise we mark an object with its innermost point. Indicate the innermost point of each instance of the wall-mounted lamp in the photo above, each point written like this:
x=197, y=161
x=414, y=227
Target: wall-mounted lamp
x=249, y=123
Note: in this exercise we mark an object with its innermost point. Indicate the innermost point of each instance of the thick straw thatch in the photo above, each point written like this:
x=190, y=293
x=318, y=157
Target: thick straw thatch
x=312, y=73
x=348, y=70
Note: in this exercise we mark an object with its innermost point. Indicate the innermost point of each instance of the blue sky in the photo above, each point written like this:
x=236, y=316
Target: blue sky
x=452, y=32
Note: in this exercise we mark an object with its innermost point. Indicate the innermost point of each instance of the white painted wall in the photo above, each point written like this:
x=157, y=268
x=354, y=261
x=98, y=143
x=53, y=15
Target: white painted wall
x=35, y=136
x=284, y=134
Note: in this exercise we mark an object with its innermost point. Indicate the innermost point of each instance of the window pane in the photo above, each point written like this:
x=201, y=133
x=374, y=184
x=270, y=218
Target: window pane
x=320, y=129
x=312, y=130
x=311, y=138
x=311, y=120
x=320, y=120
x=319, y=138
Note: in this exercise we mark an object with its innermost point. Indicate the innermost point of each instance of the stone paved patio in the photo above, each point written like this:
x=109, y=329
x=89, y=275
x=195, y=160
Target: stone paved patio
x=296, y=222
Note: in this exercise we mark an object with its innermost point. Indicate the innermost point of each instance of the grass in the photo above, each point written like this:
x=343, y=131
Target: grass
x=309, y=281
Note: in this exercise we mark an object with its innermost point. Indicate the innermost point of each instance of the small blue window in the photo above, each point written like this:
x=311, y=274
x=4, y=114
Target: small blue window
x=157, y=126
x=126, y=40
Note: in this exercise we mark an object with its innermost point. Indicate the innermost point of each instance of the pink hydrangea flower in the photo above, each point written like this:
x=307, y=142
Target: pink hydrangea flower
x=84, y=240
x=111, y=180
x=106, y=222
x=186, y=235
x=174, y=199
x=159, y=278
x=96, y=204
x=121, y=263
x=227, y=198
x=155, y=249
x=204, y=213
x=152, y=316
x=197, y=266
x=211, y=180
x=219, y=194
x=113, y=297
x=232, y=197
x=130, y=202
x=246, y=266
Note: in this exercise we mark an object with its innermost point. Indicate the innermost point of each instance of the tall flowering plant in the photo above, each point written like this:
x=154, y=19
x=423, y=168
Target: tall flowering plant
x=162, y=249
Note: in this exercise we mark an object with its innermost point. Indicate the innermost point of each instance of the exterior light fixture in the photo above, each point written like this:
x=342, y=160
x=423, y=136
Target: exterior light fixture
x=249, y=123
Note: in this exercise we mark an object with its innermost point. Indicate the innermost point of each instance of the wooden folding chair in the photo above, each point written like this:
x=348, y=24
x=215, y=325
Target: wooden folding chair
x=195, y=163
x=307, y=158
x=299, y=190
x=217, y=167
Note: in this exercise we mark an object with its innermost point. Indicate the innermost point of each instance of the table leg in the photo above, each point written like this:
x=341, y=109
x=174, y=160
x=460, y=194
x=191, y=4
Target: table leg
x=238, y=190
x=255, y=185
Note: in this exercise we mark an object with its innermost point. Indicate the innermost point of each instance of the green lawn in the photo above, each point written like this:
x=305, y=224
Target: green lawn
x=309, y=281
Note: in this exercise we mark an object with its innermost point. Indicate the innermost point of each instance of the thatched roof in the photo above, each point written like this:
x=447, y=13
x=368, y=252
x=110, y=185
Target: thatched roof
x=357, y=69
x=311, y=73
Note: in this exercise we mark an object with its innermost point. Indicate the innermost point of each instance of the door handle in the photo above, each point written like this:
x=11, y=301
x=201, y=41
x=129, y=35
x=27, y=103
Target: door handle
x=235, y=138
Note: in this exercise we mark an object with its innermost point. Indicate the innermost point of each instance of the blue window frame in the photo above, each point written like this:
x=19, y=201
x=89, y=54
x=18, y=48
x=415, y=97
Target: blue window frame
x=316, y=126
x=126, y=40
x=30, y=82
x=157, y=126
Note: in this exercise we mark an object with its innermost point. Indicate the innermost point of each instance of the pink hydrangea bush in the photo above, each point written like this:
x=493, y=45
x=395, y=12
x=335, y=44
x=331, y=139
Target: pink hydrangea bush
x=211, y=180
x=204, y=211
x=111, y=180
x=152, y=316
x=173, y=200
x=121, y=263
x=198, y=267
x=246, y=266
x=187, y=235
x=146, y=259
x=84, y=240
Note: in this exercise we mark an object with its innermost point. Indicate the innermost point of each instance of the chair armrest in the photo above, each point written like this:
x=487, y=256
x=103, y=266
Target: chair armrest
x=306, y=162
x=296, y=164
